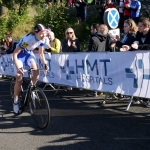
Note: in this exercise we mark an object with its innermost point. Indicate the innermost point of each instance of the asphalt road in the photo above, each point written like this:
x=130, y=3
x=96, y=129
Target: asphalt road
x=77, y=123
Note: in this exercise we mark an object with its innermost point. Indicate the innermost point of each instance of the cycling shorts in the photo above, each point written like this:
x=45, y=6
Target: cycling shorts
x=26, y=59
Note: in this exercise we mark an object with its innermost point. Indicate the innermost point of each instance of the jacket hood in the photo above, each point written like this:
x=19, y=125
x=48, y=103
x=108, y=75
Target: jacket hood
x=100, y=37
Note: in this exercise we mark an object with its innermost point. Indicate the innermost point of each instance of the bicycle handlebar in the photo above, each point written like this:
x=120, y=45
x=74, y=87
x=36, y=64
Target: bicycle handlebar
x=31, y=70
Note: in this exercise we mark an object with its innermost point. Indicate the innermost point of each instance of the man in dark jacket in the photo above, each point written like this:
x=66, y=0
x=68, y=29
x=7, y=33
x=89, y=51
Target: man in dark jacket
x=97, y=43
x=143, y=35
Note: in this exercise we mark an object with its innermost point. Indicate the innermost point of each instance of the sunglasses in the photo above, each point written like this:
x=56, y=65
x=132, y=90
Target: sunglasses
x=69, y=32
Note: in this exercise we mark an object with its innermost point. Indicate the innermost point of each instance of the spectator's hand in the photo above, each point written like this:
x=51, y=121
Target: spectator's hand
x=113, y=40
x=127, y=6
x=135, y=46
x=73, y=44
x=69, y=43
x=112, y=45
x=117, y=37
x=124, y=48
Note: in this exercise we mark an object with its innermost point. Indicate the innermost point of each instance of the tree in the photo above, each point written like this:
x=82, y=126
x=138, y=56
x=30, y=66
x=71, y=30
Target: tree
x=19, y=5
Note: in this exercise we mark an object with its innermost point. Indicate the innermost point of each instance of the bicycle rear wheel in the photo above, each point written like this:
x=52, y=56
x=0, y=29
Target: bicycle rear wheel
x=39, y=108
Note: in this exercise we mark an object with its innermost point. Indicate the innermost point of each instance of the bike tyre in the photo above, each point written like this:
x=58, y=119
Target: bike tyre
x=39, y=108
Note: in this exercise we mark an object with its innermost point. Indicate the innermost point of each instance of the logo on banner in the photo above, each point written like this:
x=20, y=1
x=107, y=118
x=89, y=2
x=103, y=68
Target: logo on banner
x=68, y=70
x=7, y=64
x=87, y=71
x=130, y=73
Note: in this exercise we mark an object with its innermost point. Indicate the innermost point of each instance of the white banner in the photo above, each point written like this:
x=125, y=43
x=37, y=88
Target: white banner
x=126, y=73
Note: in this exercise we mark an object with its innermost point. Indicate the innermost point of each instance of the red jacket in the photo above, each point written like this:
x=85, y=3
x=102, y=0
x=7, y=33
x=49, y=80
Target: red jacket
x=111, y=5
x=126, y=11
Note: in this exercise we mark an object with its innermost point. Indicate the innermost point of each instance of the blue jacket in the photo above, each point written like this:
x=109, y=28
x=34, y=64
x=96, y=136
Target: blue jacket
x=135, y=7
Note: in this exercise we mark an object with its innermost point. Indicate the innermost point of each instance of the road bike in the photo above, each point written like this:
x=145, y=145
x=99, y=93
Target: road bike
x=35, y=98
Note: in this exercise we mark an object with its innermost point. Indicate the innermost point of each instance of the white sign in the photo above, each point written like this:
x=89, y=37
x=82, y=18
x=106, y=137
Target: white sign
x=114, y=32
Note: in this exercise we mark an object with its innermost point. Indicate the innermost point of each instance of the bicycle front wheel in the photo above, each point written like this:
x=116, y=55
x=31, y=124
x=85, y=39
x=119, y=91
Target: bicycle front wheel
x=39, y=108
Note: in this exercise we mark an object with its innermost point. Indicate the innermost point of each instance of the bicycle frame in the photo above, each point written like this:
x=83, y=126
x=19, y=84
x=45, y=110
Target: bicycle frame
x=30, y=87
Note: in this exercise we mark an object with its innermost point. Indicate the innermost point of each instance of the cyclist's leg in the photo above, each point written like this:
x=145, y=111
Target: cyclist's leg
x=17, y=88
x=32, y=63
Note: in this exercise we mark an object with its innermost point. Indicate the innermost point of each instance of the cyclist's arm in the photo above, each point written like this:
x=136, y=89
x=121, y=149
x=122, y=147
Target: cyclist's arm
x=15, y=59
x=41, y=54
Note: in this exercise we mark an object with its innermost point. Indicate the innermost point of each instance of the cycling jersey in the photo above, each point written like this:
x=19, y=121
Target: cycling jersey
x=28, y=43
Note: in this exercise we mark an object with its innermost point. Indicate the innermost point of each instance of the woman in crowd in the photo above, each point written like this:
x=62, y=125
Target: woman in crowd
x=130, y=30
x=103, y=29
x=70, y=43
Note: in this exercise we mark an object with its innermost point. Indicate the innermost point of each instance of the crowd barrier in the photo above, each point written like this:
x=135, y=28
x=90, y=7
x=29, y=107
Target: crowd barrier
x=126, y=73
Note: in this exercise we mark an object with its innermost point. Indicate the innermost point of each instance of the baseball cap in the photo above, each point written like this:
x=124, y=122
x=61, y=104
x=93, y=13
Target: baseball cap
x=39, y=27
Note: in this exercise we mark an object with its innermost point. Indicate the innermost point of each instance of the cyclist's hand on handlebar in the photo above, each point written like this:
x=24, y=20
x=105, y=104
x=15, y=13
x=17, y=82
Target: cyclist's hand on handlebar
x=20, y=71
x=46, y=67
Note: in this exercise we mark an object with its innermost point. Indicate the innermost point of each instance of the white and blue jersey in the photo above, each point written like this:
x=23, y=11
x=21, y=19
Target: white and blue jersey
x=28, y=43
x=135, y=8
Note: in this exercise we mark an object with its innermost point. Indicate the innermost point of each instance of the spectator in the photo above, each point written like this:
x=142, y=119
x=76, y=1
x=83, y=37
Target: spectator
x=110, y=4
x=103, y=29
x=11, y=46
x=83, y=10
x=3, y=43
x=70, y=43
x=135, y=7
x=7, y=42
x=102, y=10
x=77, y=5
x=130, y=30
x=70, y=3
x=120, y=7
x=126, y=9
x=97, y=41
x=54, y=43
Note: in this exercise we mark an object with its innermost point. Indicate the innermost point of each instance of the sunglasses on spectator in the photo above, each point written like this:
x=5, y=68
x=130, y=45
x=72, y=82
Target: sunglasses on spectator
x=69, y=32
